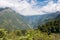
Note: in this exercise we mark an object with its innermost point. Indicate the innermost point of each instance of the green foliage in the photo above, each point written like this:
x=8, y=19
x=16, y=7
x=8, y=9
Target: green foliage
x=52, y=26
x=26, y=35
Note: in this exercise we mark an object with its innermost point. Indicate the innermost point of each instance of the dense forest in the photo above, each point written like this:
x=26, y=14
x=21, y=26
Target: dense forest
x=52, y=26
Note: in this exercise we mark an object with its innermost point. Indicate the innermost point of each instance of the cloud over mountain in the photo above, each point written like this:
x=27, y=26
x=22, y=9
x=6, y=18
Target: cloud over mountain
x=31, y=7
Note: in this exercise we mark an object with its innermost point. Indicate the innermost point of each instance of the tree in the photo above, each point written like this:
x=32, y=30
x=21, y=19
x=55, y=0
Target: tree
x=52, y=26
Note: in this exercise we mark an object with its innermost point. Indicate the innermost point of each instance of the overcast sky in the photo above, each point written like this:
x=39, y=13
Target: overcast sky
x=31, y=7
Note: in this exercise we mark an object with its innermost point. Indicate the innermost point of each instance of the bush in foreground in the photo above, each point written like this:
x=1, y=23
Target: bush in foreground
x=26, y=35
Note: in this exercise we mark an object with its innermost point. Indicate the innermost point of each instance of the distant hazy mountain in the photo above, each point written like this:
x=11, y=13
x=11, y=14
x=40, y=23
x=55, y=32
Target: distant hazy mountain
x=40, y=19
x=49, y=16
x=1, y=9
x=9, y=19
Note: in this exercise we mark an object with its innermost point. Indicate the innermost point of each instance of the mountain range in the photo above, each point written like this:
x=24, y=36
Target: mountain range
x=9, y=19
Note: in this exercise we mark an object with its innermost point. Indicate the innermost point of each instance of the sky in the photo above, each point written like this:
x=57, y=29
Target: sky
x=32, y=7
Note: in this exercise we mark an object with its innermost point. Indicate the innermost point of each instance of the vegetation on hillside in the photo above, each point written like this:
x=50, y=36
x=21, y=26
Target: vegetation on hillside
x=47, y=31
x=27, y=35
x=52, y=26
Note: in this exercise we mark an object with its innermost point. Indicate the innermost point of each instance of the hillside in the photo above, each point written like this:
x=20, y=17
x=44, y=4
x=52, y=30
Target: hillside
x=12, y=20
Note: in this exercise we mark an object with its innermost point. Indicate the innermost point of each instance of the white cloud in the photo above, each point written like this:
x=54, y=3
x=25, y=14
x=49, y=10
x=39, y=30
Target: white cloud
x=24, y=8
x=50, y=7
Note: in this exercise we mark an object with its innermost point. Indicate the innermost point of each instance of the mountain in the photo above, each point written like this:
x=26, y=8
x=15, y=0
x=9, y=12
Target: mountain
x=49, y=16
x=1, y=9
x=58, y=16
x=9, y=19
x=52, y=26
x=40, y=19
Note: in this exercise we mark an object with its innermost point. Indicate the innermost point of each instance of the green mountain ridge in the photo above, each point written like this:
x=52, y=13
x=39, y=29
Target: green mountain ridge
x=12, y=20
